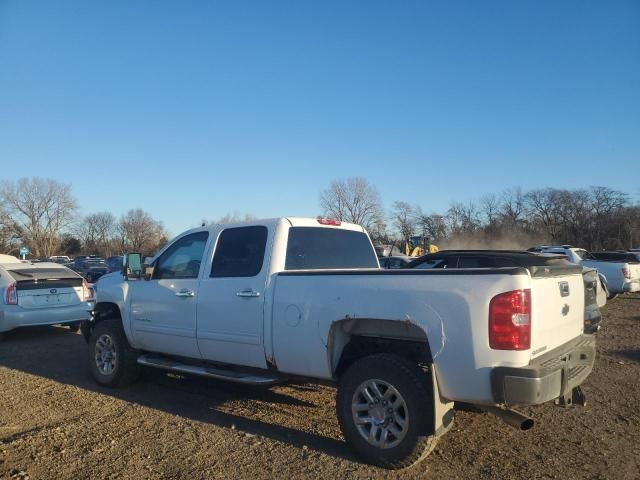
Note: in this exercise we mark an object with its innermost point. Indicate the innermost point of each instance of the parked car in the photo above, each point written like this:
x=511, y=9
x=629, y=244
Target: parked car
x=114, y=263
x=398, y=261
x=90, y=267
x=620, y=276
x=516, y=258
x=63, y=259
x=41, y=294
x=305, y=298
x=387, y=251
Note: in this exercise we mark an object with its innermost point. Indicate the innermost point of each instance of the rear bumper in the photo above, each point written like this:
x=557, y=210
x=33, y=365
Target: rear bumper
x=14, y=316
x=548, y=377
x=592, y=318
x=633, y=286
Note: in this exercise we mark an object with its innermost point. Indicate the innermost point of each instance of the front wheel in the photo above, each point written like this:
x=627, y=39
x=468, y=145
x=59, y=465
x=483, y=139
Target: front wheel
x=112, y=360
x=382, y=404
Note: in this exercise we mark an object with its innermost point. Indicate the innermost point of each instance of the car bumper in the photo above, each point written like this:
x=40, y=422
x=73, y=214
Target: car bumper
x=633, y=286
x=592, y=319
x=14, y=316
x=548, y=377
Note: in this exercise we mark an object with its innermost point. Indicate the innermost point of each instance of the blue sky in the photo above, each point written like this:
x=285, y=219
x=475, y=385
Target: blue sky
x=192, y=109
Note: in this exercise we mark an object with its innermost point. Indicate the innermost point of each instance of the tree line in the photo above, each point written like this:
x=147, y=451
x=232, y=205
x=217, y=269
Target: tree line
x=595, y=218
x=43, y=215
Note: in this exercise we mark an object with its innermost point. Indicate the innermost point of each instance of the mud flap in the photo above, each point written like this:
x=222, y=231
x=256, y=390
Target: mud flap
x=443, y=412
x=575, y=398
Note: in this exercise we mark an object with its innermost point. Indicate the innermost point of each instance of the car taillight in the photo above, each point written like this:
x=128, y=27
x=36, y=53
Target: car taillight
x=510, y=320
x=625, y=273
x=11, y=295
x=86, y=291
x=329, y=221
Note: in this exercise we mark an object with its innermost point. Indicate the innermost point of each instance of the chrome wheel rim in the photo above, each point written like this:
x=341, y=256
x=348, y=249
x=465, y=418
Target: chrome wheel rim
x=380, y=413
x=105, y=354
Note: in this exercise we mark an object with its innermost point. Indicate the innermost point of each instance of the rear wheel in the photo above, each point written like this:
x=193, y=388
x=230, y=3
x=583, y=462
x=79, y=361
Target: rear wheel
x=112, y=360
x=382, y=405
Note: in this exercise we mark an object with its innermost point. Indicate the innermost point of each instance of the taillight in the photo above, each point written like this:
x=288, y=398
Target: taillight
x=329, y=221
x=510, y=320
x=11, y=295
x=86, y=291
x=625, y=273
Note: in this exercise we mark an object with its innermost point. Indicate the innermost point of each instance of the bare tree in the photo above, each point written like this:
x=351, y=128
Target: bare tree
x=140, y=232
x=235, y=217
x=39, y=209
x=490, y=209
x=513, y=207
x=353, y=200
x=463, y=219
x=404, y=219
x=544, y=207
x=8, y=236
x=97, y=232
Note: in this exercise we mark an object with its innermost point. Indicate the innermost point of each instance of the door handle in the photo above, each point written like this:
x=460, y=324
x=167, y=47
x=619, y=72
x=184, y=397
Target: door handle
x=185, y=293
x=248, y=293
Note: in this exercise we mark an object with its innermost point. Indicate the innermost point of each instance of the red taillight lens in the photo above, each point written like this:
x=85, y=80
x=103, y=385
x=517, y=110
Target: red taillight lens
x=86, y=291
x=329, y=221
x=11, y=295
x=510, y=320
x=626, y=274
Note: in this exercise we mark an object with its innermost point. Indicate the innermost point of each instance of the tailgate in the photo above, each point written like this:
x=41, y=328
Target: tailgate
x=558, y=302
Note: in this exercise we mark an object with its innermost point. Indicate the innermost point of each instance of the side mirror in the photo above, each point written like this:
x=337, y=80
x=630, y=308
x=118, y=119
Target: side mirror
x=132, y=266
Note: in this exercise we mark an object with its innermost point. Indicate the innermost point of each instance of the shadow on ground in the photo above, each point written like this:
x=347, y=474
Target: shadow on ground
x=60, y=355
x=629, y=354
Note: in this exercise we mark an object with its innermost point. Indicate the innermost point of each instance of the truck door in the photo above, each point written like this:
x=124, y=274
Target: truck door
x=163, y=309
x=231, y=298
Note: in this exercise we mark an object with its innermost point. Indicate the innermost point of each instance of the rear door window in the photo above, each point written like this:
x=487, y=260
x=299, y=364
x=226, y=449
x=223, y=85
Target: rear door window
x=314, y=248
x=240, y=252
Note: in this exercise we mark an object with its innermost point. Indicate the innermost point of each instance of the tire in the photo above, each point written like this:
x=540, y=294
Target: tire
x=112, y=361
x=406, y=415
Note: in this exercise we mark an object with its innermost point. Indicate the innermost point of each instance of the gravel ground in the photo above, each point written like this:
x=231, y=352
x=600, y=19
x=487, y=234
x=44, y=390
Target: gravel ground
x=55, y=422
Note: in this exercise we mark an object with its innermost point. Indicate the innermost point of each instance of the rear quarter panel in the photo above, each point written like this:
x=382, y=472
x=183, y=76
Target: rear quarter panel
x=450, y=307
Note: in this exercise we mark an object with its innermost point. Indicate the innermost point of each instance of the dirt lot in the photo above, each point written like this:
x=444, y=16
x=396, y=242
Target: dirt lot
x=56, y=423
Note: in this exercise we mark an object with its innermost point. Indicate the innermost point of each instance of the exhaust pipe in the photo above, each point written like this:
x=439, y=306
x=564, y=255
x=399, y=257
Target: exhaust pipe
x=510, y=417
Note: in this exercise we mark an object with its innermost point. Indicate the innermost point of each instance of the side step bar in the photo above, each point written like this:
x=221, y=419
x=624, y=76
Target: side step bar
x=204, y=371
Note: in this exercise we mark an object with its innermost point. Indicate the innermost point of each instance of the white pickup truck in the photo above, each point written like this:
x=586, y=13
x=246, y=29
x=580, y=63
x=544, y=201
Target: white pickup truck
x=618, y=277
x=305, y=299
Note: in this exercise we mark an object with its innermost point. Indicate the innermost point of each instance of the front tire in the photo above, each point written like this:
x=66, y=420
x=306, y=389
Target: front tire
x=112, y=361
x=383, y=404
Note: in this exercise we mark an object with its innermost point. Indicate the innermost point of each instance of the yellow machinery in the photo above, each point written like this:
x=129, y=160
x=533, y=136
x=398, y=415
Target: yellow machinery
x=418, y=246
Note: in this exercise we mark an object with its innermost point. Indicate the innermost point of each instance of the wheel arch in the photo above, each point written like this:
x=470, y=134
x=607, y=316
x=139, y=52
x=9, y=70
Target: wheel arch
x=101, y=311
x=354, y=338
